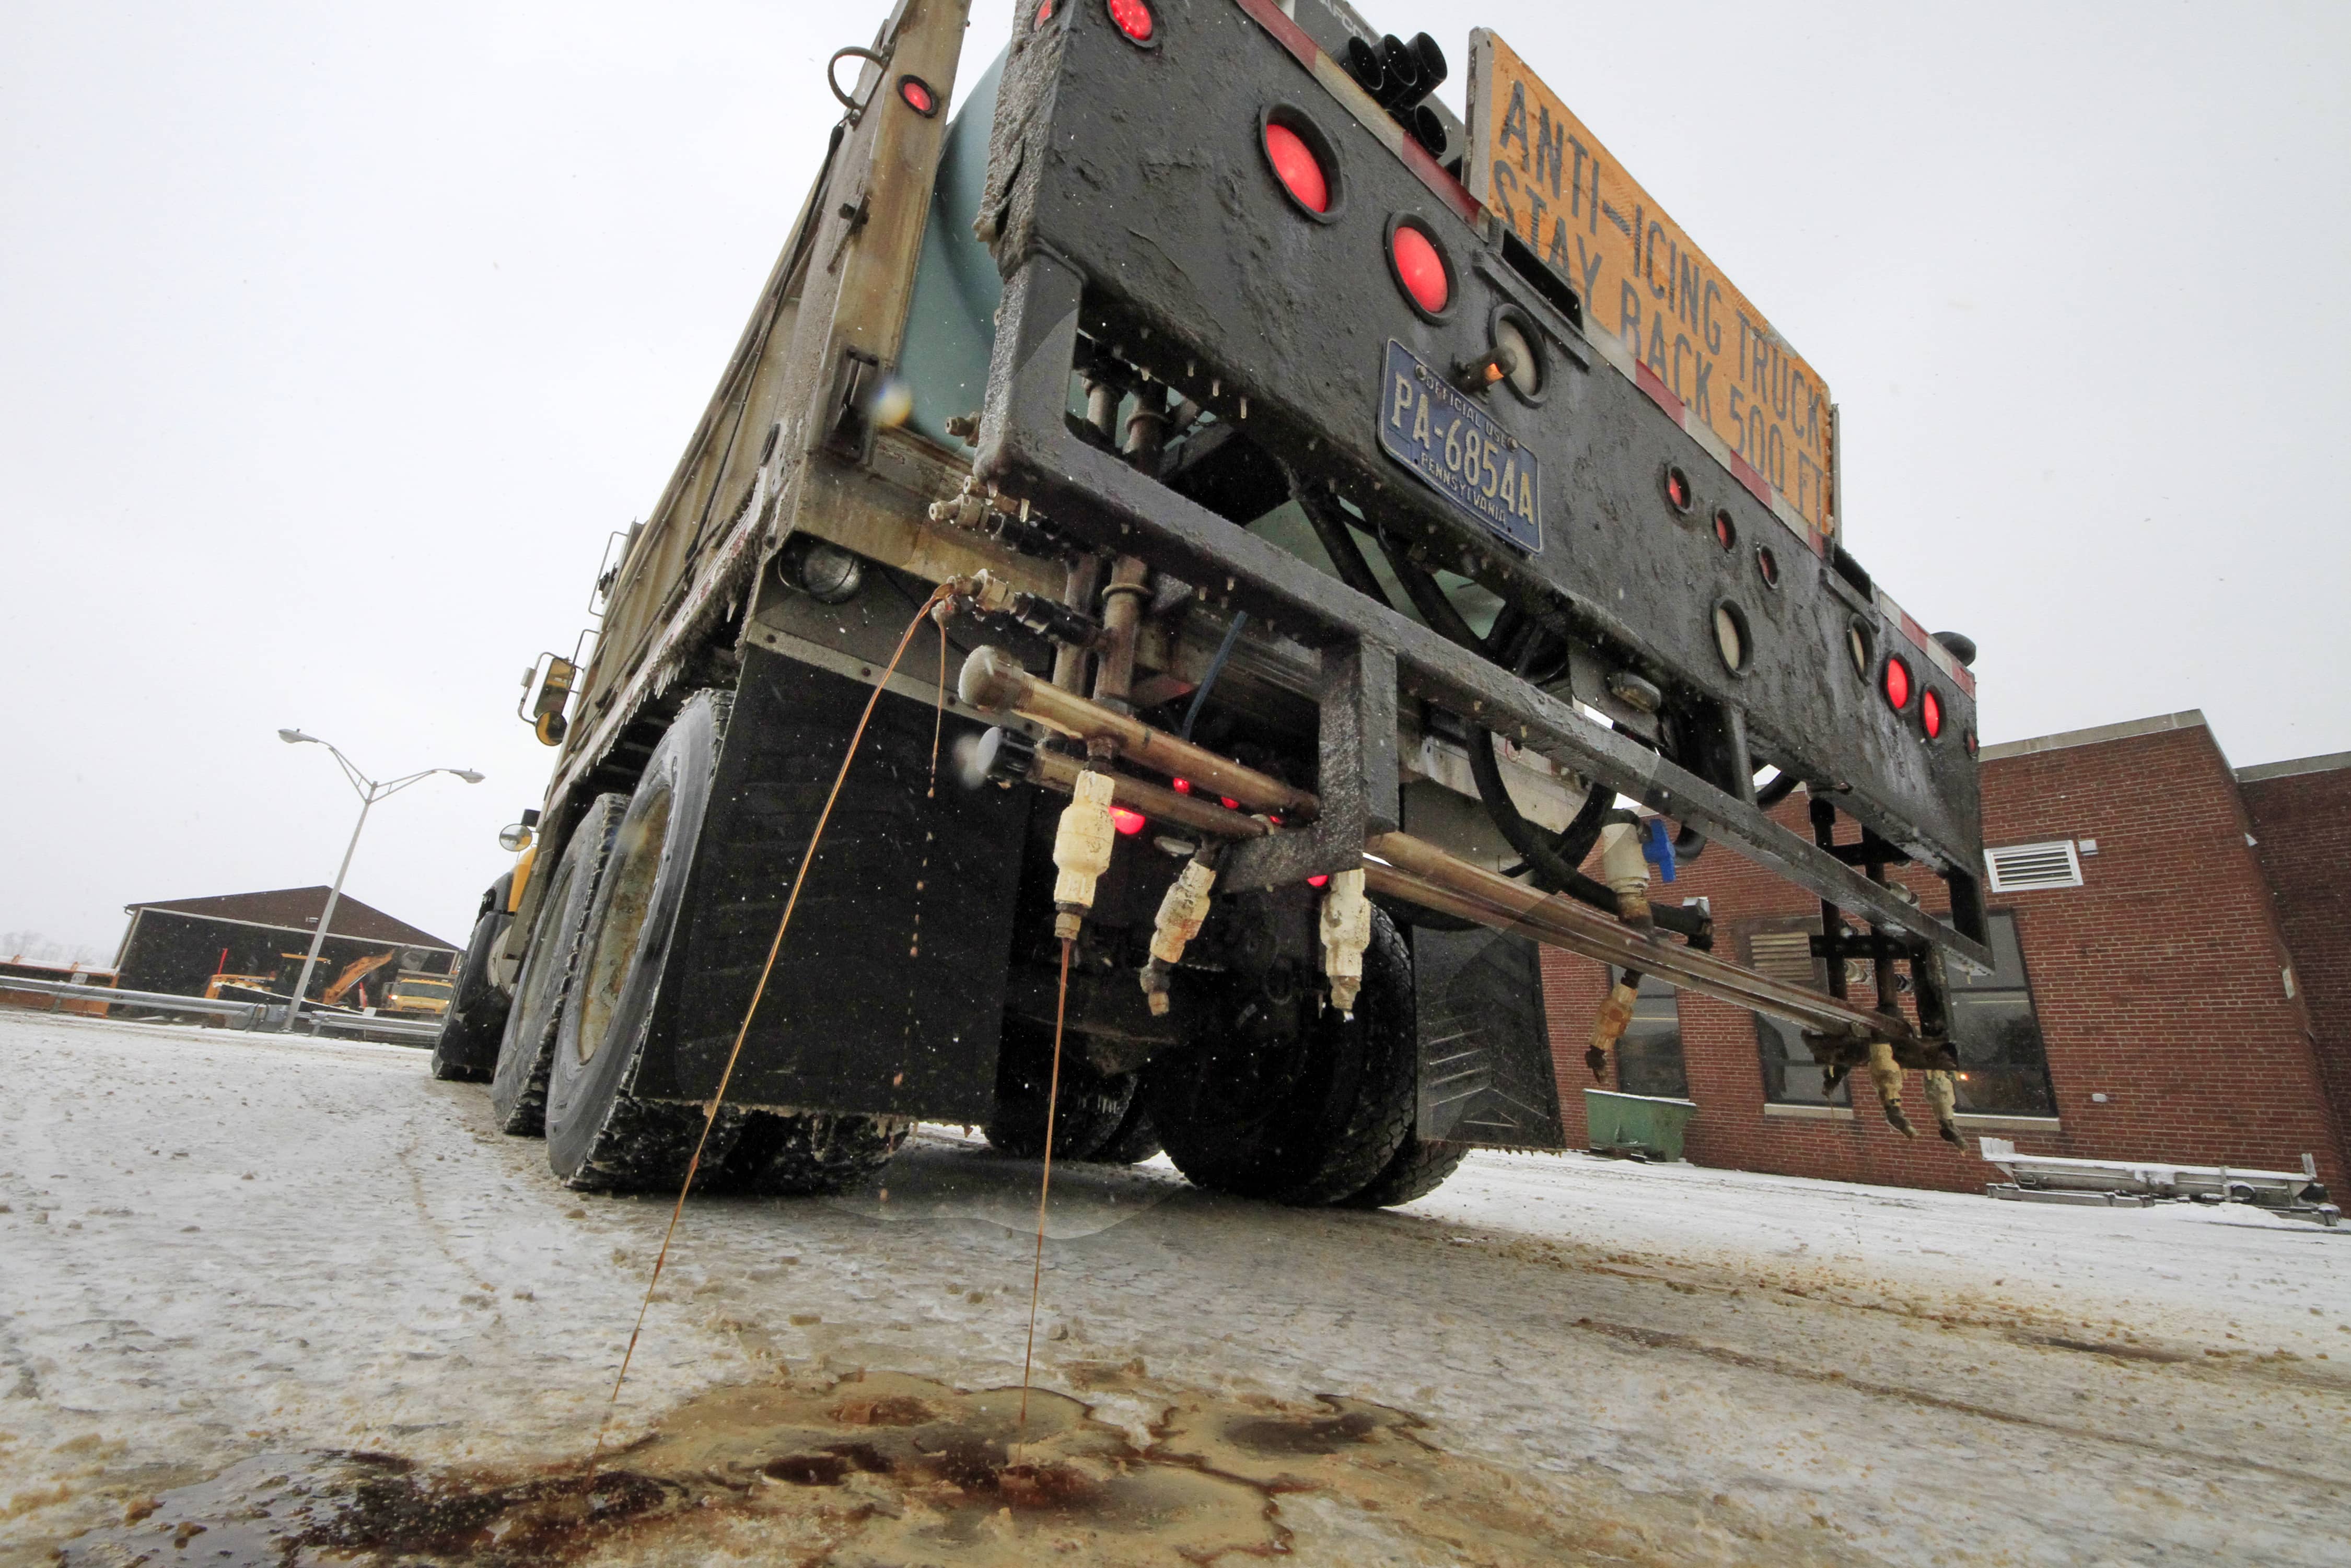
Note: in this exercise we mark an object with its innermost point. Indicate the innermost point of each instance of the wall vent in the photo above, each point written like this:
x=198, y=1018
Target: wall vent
x=1785, y=956
x=2020, y=868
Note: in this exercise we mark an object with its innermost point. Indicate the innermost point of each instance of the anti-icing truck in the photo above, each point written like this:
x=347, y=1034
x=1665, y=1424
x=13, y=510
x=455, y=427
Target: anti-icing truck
x=1330, y=550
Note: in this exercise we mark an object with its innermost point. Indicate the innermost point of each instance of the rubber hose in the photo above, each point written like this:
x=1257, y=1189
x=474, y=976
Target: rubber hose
x=1688, y=843
x=1583, y=831
x=1553, y=872
x=1779, y=789
x=1555, y=875
x=1503, y=641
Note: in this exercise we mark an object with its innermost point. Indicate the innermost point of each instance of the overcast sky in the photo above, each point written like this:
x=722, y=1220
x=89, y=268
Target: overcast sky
x=335, y=339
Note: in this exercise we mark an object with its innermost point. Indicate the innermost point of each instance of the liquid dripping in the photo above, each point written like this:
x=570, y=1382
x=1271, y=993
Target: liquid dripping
x=1045, y=1181
x=735, y=1054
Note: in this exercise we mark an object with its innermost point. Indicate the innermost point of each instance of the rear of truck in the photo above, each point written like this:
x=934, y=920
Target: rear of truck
x=1329, y=614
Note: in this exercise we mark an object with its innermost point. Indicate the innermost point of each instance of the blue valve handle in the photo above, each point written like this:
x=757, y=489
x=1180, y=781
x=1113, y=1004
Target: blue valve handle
x=1657, y=847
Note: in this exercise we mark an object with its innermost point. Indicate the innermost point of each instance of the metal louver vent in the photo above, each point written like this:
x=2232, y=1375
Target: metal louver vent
x=1785, y=955
x=2020, y=867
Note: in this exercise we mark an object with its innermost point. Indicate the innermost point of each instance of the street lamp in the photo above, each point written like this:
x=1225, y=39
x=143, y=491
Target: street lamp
x=370, y=792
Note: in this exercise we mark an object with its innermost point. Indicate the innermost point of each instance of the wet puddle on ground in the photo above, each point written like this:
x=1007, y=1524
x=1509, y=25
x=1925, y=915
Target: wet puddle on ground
x=888, y=1468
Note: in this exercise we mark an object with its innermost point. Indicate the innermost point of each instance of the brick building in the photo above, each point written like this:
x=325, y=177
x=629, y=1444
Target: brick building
x=2301, y=814
x=2174, y=983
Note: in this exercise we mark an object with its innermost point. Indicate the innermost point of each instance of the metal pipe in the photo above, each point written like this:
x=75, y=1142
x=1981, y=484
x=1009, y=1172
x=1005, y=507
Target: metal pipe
x=1122, y=614
x=1417, y=871
x=1077, y=588
x=152, y=1001
x=1147, y=429
x=994, y=681
x=1058, y=770
x=1421, y=873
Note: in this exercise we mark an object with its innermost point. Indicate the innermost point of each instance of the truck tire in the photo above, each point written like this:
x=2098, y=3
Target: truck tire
x=810, y=1154
x=600, y=1135
x=467, y=1049
x=1309, y=1121
x=1418, y=1169
x=1090, y=1110
x=519, y=1088
x=1136, y=1139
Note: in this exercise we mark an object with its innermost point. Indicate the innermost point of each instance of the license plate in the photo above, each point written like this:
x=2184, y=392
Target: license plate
x=1437, y=430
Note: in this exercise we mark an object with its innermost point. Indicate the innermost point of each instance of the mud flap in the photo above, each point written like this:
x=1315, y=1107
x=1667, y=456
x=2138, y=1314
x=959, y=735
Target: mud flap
x=1486, y=1073
x=889, y=993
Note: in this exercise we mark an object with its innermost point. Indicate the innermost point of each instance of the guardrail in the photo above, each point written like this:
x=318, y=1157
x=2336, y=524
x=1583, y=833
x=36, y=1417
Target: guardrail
x=244, y=1015
x=251, y=1014
x=403, y=1032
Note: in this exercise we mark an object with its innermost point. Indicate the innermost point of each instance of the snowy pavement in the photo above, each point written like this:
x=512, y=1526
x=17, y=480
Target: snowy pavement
x=214, y=1246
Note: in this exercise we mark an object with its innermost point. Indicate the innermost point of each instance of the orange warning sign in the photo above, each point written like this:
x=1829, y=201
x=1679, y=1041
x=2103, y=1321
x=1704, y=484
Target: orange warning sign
x=1653, y=302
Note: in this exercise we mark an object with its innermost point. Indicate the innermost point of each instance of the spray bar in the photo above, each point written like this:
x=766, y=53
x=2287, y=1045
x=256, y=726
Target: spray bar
x=1419, y=873
x=1403, y=867
x=992, y=680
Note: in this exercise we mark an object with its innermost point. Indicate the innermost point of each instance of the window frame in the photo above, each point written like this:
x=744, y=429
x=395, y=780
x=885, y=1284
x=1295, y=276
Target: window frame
x=1672, y=997
x=2023, y=988
x=1829, y=1105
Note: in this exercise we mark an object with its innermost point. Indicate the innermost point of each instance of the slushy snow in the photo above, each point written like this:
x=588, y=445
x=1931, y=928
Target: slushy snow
x=214, y=1245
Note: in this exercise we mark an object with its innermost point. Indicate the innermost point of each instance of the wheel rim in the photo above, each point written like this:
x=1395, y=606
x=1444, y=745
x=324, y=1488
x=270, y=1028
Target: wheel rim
x=635, y=869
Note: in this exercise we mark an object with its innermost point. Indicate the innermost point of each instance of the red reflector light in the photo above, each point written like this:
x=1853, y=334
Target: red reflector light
x=1229, y=803
x=918, y=96
x=1045, y=13
x=1299, y=170
x=1134, y=20
x=1930, y=713
x=1183, y=786
x=1128, y=823
x=1322, y=881
x=1420, y=269
x=1898, y=684
x=1678, y=490
x=1725, y=534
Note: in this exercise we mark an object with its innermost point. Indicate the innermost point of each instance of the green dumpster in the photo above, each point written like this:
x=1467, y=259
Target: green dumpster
x=1642, y=1124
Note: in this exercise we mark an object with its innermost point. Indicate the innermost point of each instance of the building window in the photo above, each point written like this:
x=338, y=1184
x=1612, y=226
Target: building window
x=1649, y=1057
x=1783, y=950
x=2003, y=1071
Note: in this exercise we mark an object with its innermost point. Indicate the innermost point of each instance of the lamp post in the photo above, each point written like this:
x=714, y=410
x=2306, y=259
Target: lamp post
x=369, y=791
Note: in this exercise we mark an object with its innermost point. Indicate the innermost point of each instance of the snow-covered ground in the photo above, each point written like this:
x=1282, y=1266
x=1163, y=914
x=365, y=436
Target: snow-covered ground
x=214, y=1246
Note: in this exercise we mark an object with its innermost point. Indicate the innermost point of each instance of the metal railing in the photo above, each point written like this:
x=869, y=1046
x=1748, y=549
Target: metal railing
x=251, y=1015
x=244, y=1015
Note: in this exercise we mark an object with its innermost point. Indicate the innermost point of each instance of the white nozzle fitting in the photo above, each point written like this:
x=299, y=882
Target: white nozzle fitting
x=1625, y=871
x=1346, y=932
x=1182, y=912
x=1886, y=1077
x=1081, y=846
x=1943, y=1096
